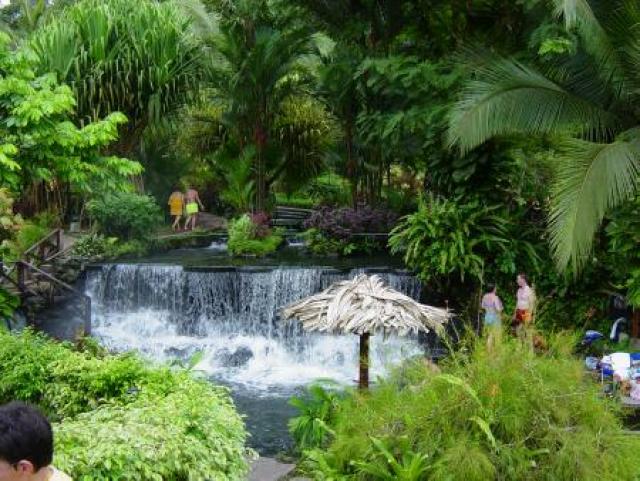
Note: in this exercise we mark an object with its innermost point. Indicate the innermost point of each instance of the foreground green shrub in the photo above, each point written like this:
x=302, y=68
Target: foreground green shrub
x=126, y=215
x=118, y=418
x=190, y=434
x=501, y=412
x=94, y=247
x=248, y=238
x=64, y=382
x=316, y=410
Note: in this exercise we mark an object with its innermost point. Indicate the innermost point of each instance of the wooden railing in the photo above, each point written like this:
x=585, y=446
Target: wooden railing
x=28, y=275
x=46, y=249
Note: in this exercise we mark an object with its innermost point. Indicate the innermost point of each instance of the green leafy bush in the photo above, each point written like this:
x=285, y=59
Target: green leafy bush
x=448, y=238
x=118, y=418
x=16, y=235
x=298, y=199
x=497, y=410
x=64, y=382
x=132, y=248
x=320, y=244
x=247, y=238
x=330, y=189
x=126, y=215
x=317, y=410
x=623, y=234
x=192, y=433
x=94, y=247
x=28, y=235
x=10, y=223
x=8, y=304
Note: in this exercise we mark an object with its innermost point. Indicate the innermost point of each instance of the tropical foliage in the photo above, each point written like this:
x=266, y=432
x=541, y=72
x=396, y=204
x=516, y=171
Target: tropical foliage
x=316, y=411
x=142, y=62
x=479, y=417
x=112, y=411
x=445, y=238
x=251, y=235
x=583, y=99
x=41, y=147
x=126, y=215
x=260, y=72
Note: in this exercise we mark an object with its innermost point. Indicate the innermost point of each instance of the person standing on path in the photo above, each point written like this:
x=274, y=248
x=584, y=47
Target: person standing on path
x=525, y=299
x=492, y=306
x=192, y=200
x=26, y=445
x=176, y=208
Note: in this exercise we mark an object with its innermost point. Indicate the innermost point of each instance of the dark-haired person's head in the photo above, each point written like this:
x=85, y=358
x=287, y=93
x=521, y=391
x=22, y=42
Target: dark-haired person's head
x=26, y=443
x=522, y=280
x=491, y=287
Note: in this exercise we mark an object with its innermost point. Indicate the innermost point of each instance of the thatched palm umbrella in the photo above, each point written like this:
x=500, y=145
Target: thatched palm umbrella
x=365, y=306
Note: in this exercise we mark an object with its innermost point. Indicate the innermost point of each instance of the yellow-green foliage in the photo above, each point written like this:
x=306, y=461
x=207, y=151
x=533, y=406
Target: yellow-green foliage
x=118, y=418
x=193, y=433
x=501, y=412
x=244, y=241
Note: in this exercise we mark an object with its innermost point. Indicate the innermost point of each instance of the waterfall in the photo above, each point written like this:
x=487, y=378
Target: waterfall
x=231, y=316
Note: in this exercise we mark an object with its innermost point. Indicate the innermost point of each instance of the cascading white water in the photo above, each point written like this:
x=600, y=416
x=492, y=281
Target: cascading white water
x=231, y=315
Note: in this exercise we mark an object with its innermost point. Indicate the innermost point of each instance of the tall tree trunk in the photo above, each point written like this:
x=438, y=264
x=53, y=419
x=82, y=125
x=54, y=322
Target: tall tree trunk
x=351, y=164
x=260, y=138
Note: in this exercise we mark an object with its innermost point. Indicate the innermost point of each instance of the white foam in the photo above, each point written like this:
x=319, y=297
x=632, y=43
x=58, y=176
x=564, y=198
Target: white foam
x=276, y=364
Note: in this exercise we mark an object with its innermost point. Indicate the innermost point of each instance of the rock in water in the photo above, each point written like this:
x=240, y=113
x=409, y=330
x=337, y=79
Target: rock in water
x=238, y=358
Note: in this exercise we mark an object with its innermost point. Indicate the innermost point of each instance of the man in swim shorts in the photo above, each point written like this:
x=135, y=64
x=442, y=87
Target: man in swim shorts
x=192, y=201
x=525, y=299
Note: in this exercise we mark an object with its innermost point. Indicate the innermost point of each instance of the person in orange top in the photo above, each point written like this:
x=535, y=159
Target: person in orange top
x=176, y=208
x=26, y=445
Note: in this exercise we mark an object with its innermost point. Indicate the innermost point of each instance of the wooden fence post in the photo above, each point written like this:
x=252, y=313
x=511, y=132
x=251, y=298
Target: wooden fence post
x=21, y=277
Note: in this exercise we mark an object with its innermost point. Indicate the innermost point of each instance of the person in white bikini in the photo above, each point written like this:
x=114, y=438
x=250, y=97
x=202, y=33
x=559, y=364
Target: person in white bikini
x=26, y=445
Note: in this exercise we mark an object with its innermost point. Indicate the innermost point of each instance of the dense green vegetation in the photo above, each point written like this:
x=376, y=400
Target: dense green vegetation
x=487, y=137
x=499, y=411
x=328, y=105
x=112, y=412
x=252, y=236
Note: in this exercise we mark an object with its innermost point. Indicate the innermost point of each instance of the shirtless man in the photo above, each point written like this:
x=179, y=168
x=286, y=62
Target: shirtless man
x=192, y=201
x=525, y=299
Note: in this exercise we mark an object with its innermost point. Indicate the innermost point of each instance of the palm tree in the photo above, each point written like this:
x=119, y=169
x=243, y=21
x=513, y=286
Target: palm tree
x=142, y=61
x=259, y=63
x=339, y=87
x=585, y=102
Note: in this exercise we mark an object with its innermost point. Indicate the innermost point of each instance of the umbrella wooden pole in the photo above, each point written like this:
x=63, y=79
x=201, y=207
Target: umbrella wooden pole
x=364, y=361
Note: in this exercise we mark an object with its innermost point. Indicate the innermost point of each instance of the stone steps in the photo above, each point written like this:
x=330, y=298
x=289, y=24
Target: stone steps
x=269, y=469
x=292, y=217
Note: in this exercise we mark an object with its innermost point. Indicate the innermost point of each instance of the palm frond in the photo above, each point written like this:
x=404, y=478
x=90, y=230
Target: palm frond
x=205, y=24
x=575, y=13
x=591, y=178
x=622, y=25
x=580, y=16
x=509, y=97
